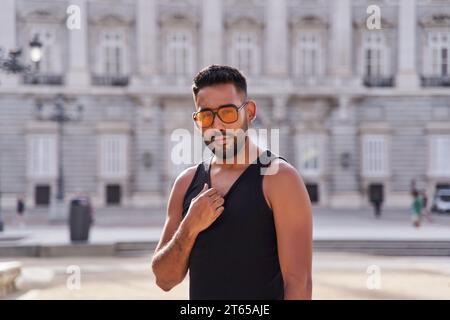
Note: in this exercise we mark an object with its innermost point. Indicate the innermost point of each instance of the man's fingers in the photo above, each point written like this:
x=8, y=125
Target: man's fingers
x=209, y=192
x=215, y=196
x=218, y=202
x=219, y=210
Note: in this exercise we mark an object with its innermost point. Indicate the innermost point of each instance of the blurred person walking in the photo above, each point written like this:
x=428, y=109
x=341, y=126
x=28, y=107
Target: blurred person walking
x=20, y=211
x=416, y=208
x=376, y=198
x=425, y=212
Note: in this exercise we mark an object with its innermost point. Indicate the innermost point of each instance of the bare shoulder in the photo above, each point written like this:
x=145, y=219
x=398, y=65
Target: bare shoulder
x=182, y=182
x=280, y=170
x=179, y=189
x=185, y=177
x=282, y=179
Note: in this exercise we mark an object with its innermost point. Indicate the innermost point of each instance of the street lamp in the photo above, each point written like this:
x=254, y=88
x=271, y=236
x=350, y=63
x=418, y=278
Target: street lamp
x=12, y=65
x=60, y=116
x=36, y=51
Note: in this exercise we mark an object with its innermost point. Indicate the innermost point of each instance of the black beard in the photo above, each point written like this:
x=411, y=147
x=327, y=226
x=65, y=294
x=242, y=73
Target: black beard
x=225, y=153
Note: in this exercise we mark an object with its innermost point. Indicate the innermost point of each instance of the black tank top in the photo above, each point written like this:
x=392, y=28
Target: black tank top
x=237, y=256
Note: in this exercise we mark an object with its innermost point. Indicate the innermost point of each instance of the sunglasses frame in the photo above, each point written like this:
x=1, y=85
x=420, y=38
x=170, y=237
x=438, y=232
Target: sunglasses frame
x=217, y=113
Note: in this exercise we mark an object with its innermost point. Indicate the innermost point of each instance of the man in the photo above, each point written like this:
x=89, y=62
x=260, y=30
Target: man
x=20, y=210
x=241, y=234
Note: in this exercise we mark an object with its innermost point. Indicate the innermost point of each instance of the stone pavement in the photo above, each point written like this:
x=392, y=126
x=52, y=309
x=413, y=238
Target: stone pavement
x=335, y=276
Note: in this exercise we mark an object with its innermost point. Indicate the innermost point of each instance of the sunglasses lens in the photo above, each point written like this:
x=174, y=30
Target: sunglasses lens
x=228, y=114
x=204, y=118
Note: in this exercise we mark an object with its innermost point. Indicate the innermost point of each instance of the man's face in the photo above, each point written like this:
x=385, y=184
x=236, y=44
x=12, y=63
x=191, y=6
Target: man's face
x=225, y=139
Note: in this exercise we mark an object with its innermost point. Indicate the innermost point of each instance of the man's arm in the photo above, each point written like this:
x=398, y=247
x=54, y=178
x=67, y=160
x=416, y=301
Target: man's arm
x=170, y=260
x=289, y=200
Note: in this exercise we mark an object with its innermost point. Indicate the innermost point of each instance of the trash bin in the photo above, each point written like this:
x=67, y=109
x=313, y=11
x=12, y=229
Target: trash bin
x=80, y=220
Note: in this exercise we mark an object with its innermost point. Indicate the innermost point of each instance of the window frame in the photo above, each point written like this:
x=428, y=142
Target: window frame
x=42, y=163
x=375, y=165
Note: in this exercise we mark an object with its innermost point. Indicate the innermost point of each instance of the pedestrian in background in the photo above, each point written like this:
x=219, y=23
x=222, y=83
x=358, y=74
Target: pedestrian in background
x=425, y=212
x=416, y=208
x=376, y=198
x=20, y=211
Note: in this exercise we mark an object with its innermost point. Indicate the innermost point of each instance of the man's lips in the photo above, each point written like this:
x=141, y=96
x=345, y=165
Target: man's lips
x=221, y=140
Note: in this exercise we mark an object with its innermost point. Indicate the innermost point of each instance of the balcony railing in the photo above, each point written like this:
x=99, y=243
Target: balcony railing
x=379, y=81
x=43, y=79
x=107, y=80
x=436, y=81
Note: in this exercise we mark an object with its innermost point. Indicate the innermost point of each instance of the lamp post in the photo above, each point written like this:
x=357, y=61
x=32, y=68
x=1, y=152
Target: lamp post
x=36, y=51
x=60, y=116
x=12, y=65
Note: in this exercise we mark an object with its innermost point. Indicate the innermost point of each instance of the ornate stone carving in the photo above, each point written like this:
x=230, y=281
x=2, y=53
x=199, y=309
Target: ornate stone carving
x=42, y=11
x=435, y=20
x=105, y=14
x=302, y=21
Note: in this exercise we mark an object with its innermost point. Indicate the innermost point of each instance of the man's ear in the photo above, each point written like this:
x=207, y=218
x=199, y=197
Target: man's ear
x=251, y=111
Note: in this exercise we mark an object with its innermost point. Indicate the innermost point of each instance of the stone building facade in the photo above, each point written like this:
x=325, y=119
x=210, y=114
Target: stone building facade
x=358, y=110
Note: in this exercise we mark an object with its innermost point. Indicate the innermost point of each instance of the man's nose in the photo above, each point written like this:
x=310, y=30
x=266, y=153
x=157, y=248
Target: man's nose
x=217, y=123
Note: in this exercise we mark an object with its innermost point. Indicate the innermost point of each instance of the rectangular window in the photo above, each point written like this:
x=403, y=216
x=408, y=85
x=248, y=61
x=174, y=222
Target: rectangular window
x=375, y=55
x=179, y=53
x=113, y=155
x=310, y=154
x=440, y=155
x=445, y=62
x=374, y=154
x=112, y=53
x=307, y=54
x=42, y=159
x=437, y=58
x=245, y=52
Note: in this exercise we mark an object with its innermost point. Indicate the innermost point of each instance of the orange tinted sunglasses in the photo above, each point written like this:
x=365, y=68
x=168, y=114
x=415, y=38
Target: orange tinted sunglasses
x=228, y=113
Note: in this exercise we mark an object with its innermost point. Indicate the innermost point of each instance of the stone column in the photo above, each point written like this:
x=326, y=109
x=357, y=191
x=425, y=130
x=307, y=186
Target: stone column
x=147, y=40
x=281, y=122
x=344, y=154
x=212, y=33
x=78, y=73
x=147, y=153
x=277, y=38
x=341, y=39
x=407, y=73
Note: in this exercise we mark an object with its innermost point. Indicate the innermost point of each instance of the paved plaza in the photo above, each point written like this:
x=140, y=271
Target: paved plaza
x=335, y=276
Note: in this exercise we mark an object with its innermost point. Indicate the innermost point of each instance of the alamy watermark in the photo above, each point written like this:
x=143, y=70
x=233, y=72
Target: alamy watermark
x=73, y=21
x=373, y=281
x=188, y=148
x=73, y=281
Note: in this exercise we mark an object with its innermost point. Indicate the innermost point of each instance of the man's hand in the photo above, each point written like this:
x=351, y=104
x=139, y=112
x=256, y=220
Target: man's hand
x=205, y=208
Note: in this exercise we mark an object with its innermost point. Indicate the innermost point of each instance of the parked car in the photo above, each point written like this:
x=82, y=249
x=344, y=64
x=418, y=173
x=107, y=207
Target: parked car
x=441, y=201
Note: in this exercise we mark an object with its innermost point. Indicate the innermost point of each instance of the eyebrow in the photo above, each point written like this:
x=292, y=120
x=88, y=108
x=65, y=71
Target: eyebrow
x=223, y=105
